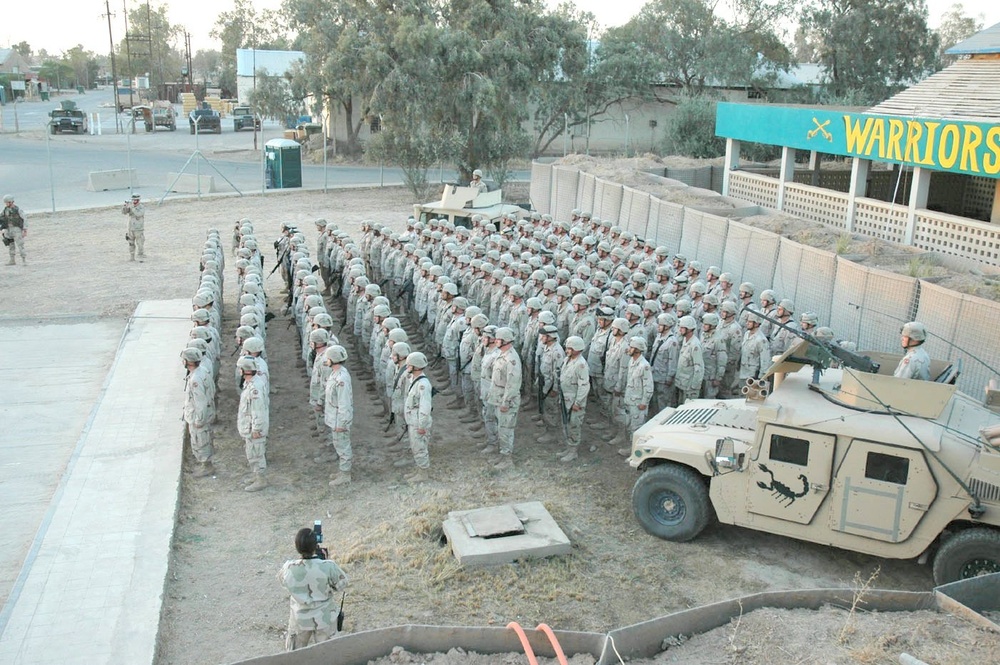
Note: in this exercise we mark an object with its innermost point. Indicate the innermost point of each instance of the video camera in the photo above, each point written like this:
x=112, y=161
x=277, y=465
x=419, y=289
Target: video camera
x=321, y=552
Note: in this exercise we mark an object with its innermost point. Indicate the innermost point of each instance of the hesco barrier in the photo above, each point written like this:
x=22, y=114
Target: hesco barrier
x=862, y=304
x=967, y=598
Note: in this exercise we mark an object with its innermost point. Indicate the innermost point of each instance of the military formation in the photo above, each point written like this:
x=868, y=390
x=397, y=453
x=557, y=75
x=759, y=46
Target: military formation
x=579, y=325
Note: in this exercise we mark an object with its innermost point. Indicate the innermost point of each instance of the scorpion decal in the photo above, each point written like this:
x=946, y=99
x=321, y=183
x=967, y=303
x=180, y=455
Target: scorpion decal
x=786, y=496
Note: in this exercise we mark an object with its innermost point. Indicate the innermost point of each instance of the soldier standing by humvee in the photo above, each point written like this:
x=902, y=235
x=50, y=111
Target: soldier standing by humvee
x=638, y=390
x=690, y=362
x=135, y=229
x=12, y=228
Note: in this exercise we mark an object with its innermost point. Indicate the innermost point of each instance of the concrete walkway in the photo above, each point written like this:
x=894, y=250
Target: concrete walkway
x=91, y=586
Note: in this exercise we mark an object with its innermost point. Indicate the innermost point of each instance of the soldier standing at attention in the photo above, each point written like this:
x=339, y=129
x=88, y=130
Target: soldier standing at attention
x=638, y=391
x=574, y=383
x=312, y=583
x=338, y=410
x=690, y=362
x=477, y=182
x=253, y=421
x=916, y=364
x=417, y=411
x=505, y=395
x=12, y=228
x=198, y=410
x=135, y=228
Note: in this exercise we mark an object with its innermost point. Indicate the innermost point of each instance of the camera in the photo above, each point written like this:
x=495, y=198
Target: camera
x=321, y=551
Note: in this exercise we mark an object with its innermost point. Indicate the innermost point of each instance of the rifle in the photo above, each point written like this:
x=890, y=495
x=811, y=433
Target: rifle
x=281, y=260
x=847, y=358
x=540, y=392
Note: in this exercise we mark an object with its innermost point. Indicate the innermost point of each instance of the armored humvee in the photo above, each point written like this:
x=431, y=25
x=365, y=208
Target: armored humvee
x=458, y=204
x=859, y=460
x=67, y=118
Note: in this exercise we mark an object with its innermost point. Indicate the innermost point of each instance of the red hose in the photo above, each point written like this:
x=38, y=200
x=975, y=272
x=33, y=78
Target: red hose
x=524, y=642
x=560, y=656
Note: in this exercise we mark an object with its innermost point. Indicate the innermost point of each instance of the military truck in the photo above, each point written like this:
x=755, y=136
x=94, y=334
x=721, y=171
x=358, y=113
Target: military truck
x=458, y=204
x=164, y=115
x=206, y=119
x=243, y=118
x=67, y=118
x=856, y=459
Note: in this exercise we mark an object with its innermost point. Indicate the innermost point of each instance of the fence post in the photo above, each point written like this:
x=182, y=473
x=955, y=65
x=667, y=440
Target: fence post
x=918, y=199
x=859, y=187
x=787, y=173
x=732, y=163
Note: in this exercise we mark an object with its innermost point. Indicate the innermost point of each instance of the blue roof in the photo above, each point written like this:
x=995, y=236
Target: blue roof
x=984, y=41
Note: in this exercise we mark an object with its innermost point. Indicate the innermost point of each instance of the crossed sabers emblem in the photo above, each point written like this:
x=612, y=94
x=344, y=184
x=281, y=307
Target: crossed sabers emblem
x=820, y=129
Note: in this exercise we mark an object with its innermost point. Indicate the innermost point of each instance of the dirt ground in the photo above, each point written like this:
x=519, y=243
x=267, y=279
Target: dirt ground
x=223, y=603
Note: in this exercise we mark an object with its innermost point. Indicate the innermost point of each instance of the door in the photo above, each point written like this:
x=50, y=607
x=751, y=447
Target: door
x=791, y=475
x=881, y=492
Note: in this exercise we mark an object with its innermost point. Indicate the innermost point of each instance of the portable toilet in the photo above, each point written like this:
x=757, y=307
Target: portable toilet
x=283, y=166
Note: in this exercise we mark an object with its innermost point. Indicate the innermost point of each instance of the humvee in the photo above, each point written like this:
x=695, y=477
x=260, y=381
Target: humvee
x=458, y=204
x=243, y=118
x=67, y=118
x=862, y=461
x=204, y=119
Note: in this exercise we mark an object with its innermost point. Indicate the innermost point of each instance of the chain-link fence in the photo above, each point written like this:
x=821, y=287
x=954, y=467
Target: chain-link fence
x=861, y=304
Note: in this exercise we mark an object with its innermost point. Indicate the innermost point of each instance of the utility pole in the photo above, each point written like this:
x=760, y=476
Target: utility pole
x=128, y=51
x=114, y=73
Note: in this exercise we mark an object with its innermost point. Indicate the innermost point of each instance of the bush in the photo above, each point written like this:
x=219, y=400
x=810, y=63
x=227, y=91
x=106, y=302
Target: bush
x=690, y=129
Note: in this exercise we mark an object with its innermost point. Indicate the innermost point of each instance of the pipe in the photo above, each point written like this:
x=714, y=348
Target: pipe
x=516, y=627
x=560, y=656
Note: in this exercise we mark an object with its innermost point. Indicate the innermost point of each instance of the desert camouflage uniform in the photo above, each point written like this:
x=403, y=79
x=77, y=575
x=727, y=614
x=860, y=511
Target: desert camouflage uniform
x=339, y=414
x=312, y=585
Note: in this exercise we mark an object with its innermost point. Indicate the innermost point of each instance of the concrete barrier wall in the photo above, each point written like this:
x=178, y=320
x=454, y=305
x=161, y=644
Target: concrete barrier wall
x=187, y=183
x=104, y=181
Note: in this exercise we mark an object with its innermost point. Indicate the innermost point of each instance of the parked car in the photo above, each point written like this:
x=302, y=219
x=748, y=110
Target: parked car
x=243, y=118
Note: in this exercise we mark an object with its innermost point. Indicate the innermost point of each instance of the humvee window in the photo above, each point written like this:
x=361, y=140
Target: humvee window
x=790, y=450
x=887, y=468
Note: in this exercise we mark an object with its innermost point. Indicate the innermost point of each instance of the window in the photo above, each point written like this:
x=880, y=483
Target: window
x=887, y=468
x=790, y=450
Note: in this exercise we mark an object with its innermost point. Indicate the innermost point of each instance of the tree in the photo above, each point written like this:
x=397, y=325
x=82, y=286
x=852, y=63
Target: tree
x=955, y=27
x=871, y=48
x=277, y=96
x=244, y=27
x=84, y=65
x=690, y=130
x=24, y=48
x=150, y=46
x=57, y=72
x=687, y=44
x=206, y=64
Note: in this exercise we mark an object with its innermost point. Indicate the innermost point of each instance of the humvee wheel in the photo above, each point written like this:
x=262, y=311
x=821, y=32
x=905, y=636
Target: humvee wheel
x=671, y=502
x=971, y=553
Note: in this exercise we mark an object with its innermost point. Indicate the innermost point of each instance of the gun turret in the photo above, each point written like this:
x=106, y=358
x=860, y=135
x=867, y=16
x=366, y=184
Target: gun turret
x=846, y=358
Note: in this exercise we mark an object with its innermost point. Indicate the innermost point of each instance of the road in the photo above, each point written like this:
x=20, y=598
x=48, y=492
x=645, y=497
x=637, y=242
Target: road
x=48, y=172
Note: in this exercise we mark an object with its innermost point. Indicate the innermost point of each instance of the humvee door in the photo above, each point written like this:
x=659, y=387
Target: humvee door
x=791, y=475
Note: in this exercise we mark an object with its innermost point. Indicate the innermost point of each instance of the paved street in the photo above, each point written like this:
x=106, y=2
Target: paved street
x=42, y=169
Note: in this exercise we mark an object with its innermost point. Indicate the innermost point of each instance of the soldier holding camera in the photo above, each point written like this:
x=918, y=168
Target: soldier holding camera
x=312, y=582
x=135, y=229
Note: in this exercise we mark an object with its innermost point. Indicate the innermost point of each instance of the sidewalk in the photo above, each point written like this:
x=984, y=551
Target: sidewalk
x=91, y=586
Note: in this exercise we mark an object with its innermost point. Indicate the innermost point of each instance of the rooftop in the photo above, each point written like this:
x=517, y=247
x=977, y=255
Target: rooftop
x=984, y=41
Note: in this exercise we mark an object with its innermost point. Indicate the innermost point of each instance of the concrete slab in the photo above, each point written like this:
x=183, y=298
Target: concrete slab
x=541, y=538
x=91, y=587
x=53, y=375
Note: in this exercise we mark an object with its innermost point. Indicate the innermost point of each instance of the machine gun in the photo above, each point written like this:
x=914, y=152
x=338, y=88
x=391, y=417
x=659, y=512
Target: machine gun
x=846, y=358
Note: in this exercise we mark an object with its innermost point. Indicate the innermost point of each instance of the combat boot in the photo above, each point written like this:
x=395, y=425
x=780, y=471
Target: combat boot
x=505, y=463
x=343, y=478
x=547, y=438
x=326, y=457
x=477, y=427
x=204, y=469
x=418, y=476
x=12, y=261
x=568, y=455
x=259, y=482
x=403, y=462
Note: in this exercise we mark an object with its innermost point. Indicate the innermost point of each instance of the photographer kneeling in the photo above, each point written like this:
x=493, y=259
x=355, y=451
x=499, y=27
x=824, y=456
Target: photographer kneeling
x=312, y=582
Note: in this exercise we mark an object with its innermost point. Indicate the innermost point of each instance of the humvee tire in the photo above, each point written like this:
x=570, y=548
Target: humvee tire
x=969, y=553
x=53, y=129
x=671, y=502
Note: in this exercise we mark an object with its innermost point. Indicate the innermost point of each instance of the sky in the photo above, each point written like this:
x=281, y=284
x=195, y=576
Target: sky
x=66, y=23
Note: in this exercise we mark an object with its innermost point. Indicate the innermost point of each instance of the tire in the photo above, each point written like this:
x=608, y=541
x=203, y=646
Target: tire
x=53, y=130
x=969, y=553
x=192, y=128
x=671, y=502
